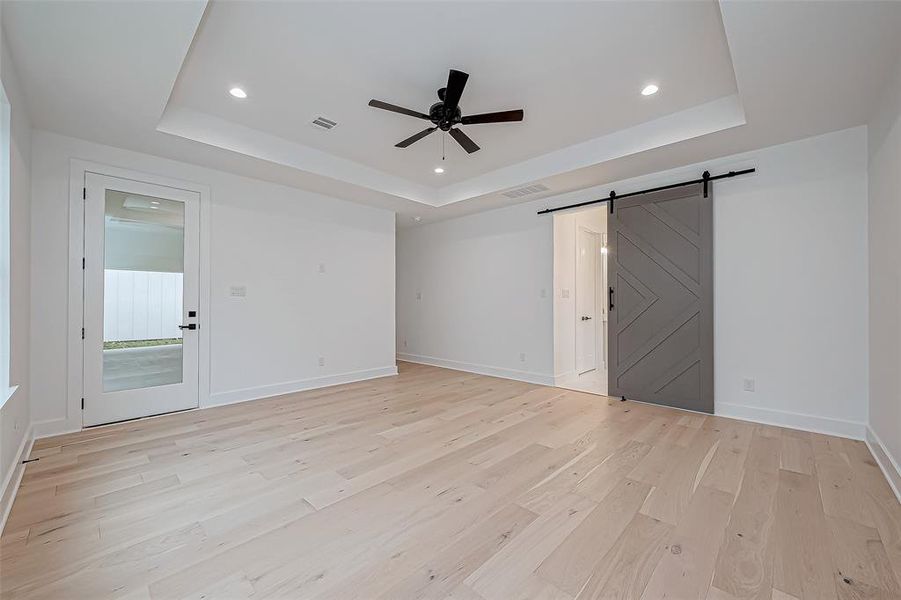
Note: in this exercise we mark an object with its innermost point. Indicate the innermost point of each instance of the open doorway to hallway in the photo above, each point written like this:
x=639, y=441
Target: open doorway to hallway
x=580, y=309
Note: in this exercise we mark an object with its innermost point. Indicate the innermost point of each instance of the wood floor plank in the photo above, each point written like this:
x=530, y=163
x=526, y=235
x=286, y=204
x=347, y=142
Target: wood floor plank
x=570, y=565
x=444, y=484
x=624, y=571
x=452, y=565
x=686, y=567
x=506, y=570
x=860, y=558
x=744, y=567
x=726, y=469
x=803, y=563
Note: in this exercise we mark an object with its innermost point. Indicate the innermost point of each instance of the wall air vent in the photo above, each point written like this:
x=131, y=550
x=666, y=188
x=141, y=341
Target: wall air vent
x=323, y=123
x=526, y=191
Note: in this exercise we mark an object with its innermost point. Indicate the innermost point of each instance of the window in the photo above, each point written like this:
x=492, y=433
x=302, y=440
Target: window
x=5, y=390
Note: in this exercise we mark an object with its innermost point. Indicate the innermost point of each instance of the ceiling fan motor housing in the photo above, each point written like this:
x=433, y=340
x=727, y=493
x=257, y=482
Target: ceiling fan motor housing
x=438, y=115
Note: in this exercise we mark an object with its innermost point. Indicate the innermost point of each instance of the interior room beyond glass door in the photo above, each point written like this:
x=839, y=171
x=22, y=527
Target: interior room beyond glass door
x=141, y=299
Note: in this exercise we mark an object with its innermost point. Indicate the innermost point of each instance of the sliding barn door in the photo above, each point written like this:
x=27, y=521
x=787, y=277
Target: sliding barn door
x=660, y=269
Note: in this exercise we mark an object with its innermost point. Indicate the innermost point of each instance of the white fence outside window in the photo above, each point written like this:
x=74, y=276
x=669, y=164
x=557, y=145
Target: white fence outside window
x=141, y=305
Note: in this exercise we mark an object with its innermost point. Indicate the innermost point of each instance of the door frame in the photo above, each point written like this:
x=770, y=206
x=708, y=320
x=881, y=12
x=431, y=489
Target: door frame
x=75, y=350
x=598, y=238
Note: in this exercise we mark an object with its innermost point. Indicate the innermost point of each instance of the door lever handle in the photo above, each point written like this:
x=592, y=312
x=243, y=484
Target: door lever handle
x=192, y=326
x=610, y=298
x=586, y=318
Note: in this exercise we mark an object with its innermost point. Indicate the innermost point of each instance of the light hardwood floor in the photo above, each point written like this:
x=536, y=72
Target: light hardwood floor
x=442, y=484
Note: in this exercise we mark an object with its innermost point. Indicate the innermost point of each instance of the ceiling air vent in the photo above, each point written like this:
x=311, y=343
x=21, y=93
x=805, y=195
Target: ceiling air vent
x=526, y=191
x=323, y=123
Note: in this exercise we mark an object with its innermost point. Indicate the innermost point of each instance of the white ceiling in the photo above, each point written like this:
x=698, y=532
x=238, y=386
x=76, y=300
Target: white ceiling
x=575, y=71
x=153, y=77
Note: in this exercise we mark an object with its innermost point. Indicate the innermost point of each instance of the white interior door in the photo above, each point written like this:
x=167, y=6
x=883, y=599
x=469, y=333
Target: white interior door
x=141, y=293
x=587, y=249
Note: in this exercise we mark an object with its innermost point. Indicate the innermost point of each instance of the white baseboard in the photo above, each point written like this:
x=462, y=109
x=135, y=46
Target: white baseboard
x=561, y=378
x=886, y=462
x=14, y=478
x=527, y=376
x=300, y=385
x=52, y=427
x=847, y=429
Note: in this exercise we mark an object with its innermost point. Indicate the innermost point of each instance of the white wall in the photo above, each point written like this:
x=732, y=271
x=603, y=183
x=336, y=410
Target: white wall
x=475, y=293
x=885, y=277
x=790, y=256
x=268, y=238
x=566, y=227
x=15, y=413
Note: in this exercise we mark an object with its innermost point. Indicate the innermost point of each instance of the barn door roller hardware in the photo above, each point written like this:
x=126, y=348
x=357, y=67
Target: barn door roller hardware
x=706, y=178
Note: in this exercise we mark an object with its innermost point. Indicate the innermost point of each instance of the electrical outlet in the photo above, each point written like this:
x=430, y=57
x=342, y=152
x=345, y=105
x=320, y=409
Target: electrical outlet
x=237, y=291
x=522, y=357
x=405, y=343
x=321, y=361
x=322, y=267
x=419, y=295
x=543, y=293
x=748, y=385
x=564, y=293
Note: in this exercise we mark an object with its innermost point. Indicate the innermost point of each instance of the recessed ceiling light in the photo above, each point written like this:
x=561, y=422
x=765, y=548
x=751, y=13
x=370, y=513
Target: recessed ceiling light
x=237, y=92
x=649, y=90
x=439, y=170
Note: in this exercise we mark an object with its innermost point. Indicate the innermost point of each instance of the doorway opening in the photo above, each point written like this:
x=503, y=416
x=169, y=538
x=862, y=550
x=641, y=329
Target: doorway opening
x=580, y=309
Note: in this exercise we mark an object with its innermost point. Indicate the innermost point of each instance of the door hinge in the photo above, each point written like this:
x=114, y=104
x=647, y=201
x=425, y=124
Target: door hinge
x=82, y=333
x=84, y=193
x=82, y=404
x=82, y=263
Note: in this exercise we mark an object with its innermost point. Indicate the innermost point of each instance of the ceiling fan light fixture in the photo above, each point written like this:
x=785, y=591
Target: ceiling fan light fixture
x=439, y=170
x=445, y=115
x=649, y=90
x=238, y=93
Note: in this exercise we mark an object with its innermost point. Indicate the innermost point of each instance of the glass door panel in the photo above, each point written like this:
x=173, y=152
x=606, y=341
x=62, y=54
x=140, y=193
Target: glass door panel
x=143, y=291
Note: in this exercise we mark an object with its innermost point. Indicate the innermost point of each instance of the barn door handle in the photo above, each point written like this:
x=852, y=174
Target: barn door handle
x=610, y=298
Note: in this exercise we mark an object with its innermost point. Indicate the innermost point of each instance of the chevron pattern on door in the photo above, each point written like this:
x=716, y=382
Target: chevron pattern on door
x=661, y=277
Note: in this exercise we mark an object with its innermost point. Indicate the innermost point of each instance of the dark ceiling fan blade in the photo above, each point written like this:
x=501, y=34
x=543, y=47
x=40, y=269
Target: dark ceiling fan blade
x=415, y=138
x=504, y=116
x=463, y=139
x=456, y=81
x=397, y=109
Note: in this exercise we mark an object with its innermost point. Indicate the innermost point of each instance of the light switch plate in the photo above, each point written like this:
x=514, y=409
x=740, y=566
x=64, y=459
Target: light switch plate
x=237, y=291
x=748, y=385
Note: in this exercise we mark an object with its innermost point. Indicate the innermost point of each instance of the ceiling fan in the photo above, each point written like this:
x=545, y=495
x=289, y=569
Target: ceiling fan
x=445, y=114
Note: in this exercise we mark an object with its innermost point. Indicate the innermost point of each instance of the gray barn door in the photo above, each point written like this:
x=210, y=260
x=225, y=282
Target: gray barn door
x=660, y=269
